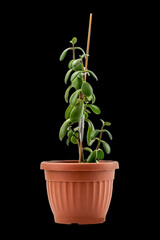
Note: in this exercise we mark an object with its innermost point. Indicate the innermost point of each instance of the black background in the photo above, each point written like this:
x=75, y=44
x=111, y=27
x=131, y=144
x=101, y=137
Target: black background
x=38, y=33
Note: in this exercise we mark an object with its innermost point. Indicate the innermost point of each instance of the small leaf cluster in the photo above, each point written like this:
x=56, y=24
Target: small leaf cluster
x=81, y=99
x=92, y=136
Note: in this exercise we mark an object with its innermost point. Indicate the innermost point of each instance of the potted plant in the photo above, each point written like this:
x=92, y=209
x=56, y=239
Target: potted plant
x=79, y=191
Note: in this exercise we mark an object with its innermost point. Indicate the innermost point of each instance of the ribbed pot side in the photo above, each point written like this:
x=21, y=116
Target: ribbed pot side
x=79, y=193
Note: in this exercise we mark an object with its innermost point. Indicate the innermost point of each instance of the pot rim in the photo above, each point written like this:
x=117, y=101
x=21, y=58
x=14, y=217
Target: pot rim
x=73, y=165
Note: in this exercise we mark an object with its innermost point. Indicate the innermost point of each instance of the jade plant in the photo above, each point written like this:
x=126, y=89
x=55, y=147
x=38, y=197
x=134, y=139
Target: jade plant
x=81, y=103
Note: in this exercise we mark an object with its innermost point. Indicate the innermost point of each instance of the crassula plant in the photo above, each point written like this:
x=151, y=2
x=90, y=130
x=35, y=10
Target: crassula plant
x=81, y=99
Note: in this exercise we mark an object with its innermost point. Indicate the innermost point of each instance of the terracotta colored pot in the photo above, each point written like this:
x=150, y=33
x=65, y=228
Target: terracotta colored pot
x=79, y=192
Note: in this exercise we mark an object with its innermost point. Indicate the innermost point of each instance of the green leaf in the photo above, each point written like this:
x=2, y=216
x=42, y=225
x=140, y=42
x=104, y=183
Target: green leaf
x=77, y=83
x=94, y=133
x=93, y=98
x=86, y=115
x=100, y=154
x=107, y=124
x=87, y=89
x=73, y=97
x=70, y=64
x=109, y=134
x=91, y=142
x=87, y=149
x=70, y=133
x=75, y=74
x=74, y=139
x=67, y=75
x=67, y=93
x=94, y=108
x=63, y=129
x=77, y=112
x=92, y=157
x=63, y=54
x=77, y=65
x=68, y=111
x=106, y=147
x=93, y=74
x=102, y=122
x=74, y=40
x=80, y=49
x=89, y=131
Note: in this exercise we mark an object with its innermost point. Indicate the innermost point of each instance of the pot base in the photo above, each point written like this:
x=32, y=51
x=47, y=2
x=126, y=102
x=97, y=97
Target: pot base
x=80, y=221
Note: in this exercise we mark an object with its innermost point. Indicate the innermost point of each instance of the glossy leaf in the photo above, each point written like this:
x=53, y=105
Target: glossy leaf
x=74, y=40
x=106, y=147
x=107, y=123
x=87, y=149
x=94, y=133
x=77, y=112
x=92, y=157
x=77, y=65
x=67, y=75
x=94, y=108
x=93, y=74
x=68, y=111
x=74, y=140
x=77, y=83
x=63, y=54
x=89, y=131
x=67, y=93
x=75, y=74
x=93, y=98
x=109, y=134
x=100, y=154
x=87, y=89
x=63, y=129
x=74, y=97
x=86, y=115
x=70, y=64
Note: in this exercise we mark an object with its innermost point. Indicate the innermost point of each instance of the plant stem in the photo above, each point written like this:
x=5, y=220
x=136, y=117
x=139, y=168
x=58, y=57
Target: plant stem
x=100, y=138
x=73, y=52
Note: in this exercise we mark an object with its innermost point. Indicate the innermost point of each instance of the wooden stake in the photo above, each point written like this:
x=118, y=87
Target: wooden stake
x=86, y=66
x=88, y=43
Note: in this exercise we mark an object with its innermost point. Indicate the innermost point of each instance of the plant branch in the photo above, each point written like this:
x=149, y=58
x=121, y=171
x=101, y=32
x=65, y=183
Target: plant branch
x=100, y=138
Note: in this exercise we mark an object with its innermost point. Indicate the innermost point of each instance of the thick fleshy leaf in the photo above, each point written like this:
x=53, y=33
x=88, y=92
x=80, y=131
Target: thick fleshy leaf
x=77, y=65
x=77, y=83
x=67, y=75
x=67, y=93
x=106, y=147
x=74, y=40
x=94, y=133
x=70, y=64
x=109, y=134
x=63, y=54
x=93, y=74
x=92, y=157
x=94, y=108
x=100, y=154
x=87, y=89
x=74, y=97
x=77, y=112
x=89, y=131
x=68, y=111
x=87, y=149
x=63, y=129
x=75, y=74
x=93, y=98
x=107, y=123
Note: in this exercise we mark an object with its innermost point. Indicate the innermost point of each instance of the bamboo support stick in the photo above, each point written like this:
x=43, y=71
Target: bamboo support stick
x=86, y=66
x=88, y=43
